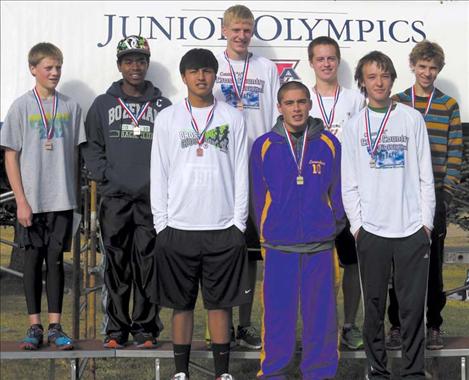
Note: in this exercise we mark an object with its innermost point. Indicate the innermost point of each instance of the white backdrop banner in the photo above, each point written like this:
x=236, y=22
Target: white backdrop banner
x=87, y=32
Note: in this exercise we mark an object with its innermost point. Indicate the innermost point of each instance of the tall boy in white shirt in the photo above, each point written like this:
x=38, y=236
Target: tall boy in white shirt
x=335, y=105
x=389, y=198
x=250, y=83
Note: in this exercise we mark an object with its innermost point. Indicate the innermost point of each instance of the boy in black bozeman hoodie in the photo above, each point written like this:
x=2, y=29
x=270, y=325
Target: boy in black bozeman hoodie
x=119, y=128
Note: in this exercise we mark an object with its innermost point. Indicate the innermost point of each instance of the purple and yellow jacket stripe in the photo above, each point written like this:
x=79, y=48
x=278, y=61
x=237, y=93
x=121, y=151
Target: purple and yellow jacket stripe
x=287, y=213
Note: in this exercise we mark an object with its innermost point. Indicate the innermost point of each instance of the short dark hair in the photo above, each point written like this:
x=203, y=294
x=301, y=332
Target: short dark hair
x=381, y=60
x=292, y=85
x=323, y=40
x=197, y=59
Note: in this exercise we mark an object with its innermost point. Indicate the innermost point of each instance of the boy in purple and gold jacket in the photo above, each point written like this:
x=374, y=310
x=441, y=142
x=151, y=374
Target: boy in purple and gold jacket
x=295, y=174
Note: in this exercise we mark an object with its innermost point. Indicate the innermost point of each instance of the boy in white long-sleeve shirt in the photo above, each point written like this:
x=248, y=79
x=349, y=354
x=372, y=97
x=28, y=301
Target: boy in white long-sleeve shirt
x=199, y=198
x=389, y=198
x=250, y=83
x=335, y=105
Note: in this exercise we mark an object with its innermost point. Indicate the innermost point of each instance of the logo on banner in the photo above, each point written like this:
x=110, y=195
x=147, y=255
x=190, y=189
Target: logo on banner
x=286, y=69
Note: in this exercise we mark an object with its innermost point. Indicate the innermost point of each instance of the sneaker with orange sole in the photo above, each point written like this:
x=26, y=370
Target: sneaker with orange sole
x=144, y=340
x=115, y=340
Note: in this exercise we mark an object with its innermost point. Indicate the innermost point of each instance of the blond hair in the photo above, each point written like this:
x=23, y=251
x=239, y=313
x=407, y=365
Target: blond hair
x=237, y=12
x=42, y=50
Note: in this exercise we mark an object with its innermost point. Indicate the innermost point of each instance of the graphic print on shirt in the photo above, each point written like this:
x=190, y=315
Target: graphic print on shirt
x=126, y=127
x=127, y=132
x=390, y=153
x=251, y=94
x=62, y=121
x=218, y=137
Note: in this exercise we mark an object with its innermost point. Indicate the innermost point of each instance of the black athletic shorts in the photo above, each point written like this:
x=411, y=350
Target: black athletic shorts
x=345, y=245
x=51, y=229
x=215, y=259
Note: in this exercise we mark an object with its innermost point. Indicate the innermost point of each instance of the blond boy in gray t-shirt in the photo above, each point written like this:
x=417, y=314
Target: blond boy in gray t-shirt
x=40, y=135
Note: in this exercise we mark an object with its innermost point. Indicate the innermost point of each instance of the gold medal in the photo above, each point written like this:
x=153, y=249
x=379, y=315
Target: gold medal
x=372, y=163
x=200, y=152
x=136, y=131
x=240, y=105
x=48, y=145
x=299, y=165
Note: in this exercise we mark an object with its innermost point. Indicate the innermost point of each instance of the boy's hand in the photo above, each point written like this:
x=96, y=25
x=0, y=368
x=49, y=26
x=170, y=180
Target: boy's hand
x=428, y=231
x=355, y=235
x=24, y=213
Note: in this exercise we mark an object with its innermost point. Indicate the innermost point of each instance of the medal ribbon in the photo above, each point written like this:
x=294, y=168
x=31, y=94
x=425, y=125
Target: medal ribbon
x=55, y=106
x=328, y=120
x=135, y=118
x=239, y=88
x=373, y=145
x=303, y=149
x=195, y=127
x=429, y=103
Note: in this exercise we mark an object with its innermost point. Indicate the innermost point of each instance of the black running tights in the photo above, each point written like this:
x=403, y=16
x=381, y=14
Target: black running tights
x=32, y=280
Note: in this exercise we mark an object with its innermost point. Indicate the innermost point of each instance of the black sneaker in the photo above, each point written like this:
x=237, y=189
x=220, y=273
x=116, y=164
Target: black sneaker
x=33, y=339
x=57, y=337
x=144, y=340
x=352, y=337
x=434, y=339
x=115, y=340
x=249, y=337
x=394, y=340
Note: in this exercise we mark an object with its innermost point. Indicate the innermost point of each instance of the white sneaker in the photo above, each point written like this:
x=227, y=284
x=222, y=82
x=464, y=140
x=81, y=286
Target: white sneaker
x=180, y=376
x=225, y=376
